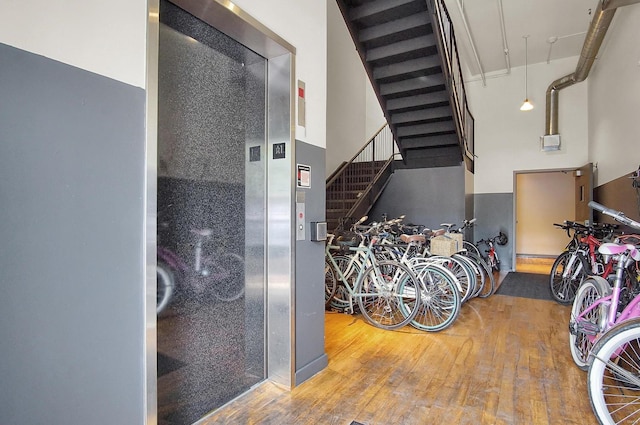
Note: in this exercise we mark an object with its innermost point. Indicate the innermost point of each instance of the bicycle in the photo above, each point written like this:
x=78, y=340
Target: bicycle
x=598, y=306
x=491, y=256
x=439, y=288
x=221, y=274
x=613, y=379
x=380, y=289
x=484, y=288
x=579, y=259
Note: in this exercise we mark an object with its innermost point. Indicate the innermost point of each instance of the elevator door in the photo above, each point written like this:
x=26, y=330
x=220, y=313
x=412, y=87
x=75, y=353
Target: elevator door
x=211, y=217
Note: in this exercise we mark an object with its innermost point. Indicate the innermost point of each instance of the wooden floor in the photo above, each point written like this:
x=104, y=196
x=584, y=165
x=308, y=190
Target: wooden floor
x=506, y=360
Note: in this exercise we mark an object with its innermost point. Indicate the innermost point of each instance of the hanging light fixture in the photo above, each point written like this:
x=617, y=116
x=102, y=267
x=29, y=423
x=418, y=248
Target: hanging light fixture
x=526, y=106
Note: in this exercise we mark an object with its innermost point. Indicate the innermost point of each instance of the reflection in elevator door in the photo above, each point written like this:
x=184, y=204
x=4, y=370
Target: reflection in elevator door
x=211, y=223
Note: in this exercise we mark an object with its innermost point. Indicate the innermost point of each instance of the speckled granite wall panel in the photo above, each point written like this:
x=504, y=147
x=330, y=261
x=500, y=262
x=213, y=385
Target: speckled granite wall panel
x=211, y=108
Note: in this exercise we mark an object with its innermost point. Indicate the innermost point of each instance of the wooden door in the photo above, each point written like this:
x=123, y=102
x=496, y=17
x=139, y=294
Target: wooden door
x=583, y=193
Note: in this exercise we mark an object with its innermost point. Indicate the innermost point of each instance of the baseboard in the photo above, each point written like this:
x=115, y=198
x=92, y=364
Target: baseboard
x=311, y=369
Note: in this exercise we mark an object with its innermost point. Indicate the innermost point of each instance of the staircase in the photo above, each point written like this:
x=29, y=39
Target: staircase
x=408, y=50
x=355, y=186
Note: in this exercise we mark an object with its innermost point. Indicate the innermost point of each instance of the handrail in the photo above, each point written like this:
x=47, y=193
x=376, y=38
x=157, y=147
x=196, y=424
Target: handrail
x=344, y=165
x=453, y=71
x=345, y=188
x=367, y=191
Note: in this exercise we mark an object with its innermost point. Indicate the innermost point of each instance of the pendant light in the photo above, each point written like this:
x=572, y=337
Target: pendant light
x=526, y=106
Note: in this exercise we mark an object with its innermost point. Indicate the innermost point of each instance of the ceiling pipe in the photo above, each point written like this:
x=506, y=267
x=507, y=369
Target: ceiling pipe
x=505, y=46
x=593, y=40
x=471, y=41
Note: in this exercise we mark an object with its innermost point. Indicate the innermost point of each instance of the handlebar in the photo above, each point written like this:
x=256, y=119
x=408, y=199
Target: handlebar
x=616, y=215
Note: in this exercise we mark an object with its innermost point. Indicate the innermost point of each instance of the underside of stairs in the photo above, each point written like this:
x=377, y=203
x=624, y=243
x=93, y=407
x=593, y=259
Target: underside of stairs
x=402, y=47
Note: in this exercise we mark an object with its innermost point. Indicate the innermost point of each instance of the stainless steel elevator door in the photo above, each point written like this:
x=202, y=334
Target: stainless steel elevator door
x=211, y=217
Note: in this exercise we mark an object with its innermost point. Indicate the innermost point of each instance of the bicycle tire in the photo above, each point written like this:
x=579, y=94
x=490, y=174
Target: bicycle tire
x=563, y=290
x=591, y=289
x=439, y=299
x=490, y=281
x=330, y=282
x=341, y=300
x=227, y=280
x=613, y=380
x=476, y=277
x=461, y=273
x=471, y=248
x=378, y=296
x=165, y=286
x=486, y=286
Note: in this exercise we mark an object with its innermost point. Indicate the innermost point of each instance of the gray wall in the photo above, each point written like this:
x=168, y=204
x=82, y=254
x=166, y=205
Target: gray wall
x=494, y=213
x=309, y=302
x=427, y=196
x=71, y=262
x=431, y=196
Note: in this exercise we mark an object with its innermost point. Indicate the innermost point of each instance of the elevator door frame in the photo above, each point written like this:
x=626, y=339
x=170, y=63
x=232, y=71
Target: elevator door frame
x=279, y=239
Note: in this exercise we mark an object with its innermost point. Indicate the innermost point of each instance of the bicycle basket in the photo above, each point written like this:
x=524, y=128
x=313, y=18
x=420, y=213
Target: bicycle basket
x=502, y=239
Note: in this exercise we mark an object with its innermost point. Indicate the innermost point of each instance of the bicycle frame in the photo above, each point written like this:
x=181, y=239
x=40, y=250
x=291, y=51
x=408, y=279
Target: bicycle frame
x=367, y=253
x=611, y=302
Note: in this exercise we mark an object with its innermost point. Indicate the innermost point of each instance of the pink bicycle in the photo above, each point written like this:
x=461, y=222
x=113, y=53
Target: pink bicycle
x=598, y=306
x=220, y=273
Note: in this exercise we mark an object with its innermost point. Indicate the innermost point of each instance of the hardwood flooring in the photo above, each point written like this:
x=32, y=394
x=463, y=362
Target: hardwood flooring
x=506, y=360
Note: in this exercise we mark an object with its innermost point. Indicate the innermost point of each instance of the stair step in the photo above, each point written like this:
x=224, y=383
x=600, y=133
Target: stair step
x=380, y=11
x=421, y=84
x=429, y=141
x=422, y=115
x=407, y=69
x=417, y=101
x=399, y=29
x=402, y=50
x=426, y=129
x=433, y=157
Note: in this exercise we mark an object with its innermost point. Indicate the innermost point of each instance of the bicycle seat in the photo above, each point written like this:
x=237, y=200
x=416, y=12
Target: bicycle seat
x=438, y=232
x=205, y=233
x=613, y=249
x=413, y=238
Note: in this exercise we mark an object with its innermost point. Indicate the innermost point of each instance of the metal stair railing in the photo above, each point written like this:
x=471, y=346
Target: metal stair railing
x=362, y=174
x=449, y=51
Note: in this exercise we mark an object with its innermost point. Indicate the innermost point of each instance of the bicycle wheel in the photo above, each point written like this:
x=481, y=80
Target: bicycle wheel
x=226, y=277
x=471, y=248
x=582, y=332
x=379, y=297
x=490, y=281
x=341, y=300
x=614, y=375
x=568, y=270
x=461, y=273
x=165, y=286
x=476, y=277
x=439, y=299
x=330, y=282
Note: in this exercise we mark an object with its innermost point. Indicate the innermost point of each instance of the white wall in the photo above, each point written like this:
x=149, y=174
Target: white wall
x=105, y=38
x=353, y=111
x=111, y=41
x=302, y=23
x=374, y=116
x=346, y=92
x=507, y=139
x=614, y=99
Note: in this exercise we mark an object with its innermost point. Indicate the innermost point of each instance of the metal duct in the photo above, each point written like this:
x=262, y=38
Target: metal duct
x=592, y=42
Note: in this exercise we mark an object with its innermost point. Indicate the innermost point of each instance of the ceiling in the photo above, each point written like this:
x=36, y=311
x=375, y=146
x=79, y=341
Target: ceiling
x=565, y=21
